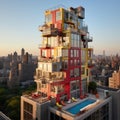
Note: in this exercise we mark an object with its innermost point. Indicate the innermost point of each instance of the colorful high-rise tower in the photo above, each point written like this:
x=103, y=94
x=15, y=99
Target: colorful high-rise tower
x=63, y=72
x=65, y=57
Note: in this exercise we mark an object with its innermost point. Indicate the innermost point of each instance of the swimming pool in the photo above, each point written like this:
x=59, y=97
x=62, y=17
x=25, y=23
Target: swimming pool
x=76, y=109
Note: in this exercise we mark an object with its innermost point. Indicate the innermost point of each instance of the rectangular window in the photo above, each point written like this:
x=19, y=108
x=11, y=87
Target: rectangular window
x=28, y=111
x=52, y=53
x=49, y=41
x=75, y=53
x=58, y=15
x=83, y=70
x=78, y=84
x=48, y=18
x=73, y=85
x=65, y=52
x=28, y=107
x=71, y=73
x=71, y=62
x=72, y=53
x=27, y=116
x=65, y=64
x=83, y=56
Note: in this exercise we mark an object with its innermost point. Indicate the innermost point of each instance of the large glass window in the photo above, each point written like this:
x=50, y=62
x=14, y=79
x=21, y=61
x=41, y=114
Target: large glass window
x=78, y=84
x=72, y=53
x=43, y=53
x=48, y=18
x=75, y=53
x=71, y=62
x=83, y=56
x=71, y=73
x=58, y=15
x=65, y=52
x=59, y=52
x=49, y=41
x=76, y=72
x=73, y=85
x=83, y=70
x=66, y=15
x=28, y=111
x=65, y=64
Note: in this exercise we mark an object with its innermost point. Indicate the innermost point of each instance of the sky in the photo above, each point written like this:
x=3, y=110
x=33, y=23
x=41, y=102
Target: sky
x=19, y=21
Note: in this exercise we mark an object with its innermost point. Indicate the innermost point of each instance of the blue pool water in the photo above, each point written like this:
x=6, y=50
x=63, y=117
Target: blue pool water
x=76, y=109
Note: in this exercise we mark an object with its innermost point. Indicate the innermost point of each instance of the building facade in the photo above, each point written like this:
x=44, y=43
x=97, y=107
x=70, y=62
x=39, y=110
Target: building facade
x=63, y=71
x=65, y=57
x=114, y=81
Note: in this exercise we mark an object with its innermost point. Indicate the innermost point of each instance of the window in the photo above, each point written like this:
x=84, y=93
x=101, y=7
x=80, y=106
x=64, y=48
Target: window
x=54, y=67
x=76, y=72
x=78, y=84
x=64, y=52
x=27, y=116
x=28, y=111
x=39, y=73
x=83, y=56
x=75, y=53
x=73, y=85
x=71, y=62
x=58, y=15
x=71, y=73
x=83, y=70
x=43, y=66
x=49, y=41
x=72, y=53
x=78, y=62
x=65, y=64
x=43, y=53
x=66, y=15
x=48, y=18
x=46, y=67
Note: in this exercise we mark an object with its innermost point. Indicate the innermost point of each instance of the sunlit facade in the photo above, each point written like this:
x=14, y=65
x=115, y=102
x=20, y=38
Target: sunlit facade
x=64, y=63
x=65, y=57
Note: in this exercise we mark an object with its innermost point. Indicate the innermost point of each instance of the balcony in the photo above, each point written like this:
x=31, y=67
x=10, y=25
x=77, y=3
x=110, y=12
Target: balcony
x=48, y=30
x=52, y=78
x=50, y=60
x=88, y=38
x=44, y=46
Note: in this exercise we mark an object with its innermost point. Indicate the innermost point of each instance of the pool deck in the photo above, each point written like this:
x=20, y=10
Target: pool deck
x=64, y=109
x=86, y=110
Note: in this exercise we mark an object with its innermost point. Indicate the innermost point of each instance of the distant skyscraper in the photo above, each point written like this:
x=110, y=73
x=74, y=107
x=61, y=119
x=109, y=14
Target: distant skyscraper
x=104, y=53
x=22, y=54
x=22, y=69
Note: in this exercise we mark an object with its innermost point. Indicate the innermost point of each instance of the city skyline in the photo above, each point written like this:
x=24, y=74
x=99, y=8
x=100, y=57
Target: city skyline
x=20, y=21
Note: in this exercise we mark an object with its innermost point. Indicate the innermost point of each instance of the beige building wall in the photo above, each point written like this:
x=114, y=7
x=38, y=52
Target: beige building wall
x=34, y=104
x=114, y=81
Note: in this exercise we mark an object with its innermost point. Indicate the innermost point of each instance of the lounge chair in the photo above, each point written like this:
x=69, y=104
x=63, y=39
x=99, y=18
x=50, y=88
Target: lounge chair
x=74, y=100
x=58, y=105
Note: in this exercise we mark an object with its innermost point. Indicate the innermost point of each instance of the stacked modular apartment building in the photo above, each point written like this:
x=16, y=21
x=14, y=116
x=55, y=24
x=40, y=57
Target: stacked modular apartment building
x=65, y=58
x=64, y=65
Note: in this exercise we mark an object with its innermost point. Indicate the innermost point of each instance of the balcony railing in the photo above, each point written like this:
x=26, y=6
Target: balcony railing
x=50, y=31
x=88, y=38
x=44, y=46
